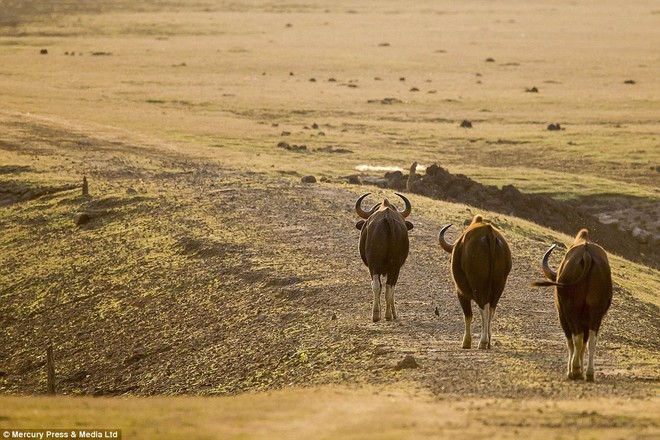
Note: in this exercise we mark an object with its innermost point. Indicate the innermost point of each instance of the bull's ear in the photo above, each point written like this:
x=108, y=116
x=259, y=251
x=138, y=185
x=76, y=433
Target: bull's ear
x=359, y=224
x=409, y=225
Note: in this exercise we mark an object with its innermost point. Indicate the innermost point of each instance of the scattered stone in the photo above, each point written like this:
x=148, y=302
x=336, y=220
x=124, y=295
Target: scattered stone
x=554, y=127
x=332, y=80
x=331, y=149
x=432, y=92
x=312, y=80
x=607, y=219
x=408, y=362
x=353, y=86
x=380, y=350
x=385, y=101
x=308, y=179
x=532, y=90
x=466, y=124
x=77, y=376
x=403, y=78
x=320, y=133
x=274, y=124
x=414, y=89
x=333, y=317
x=353, y=179
x=101, y=54
x=377, y=78
x=315, y=126
x=43, y=51
x=629, y=81
x=289, y=25
x=640, y=235
x=290, y=73
x=81, y=218
x=293, y=147
x=286, y=133
x=384, y=45
x=131, y=191
x=490, y=60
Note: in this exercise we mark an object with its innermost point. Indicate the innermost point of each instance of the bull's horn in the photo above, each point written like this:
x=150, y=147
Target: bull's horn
x=406, y=212
x=549, y=273
x=361, y=212
x=441, y=239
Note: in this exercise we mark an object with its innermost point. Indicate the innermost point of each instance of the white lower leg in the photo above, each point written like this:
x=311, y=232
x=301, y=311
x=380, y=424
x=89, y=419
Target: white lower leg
x=390, y=311
x=571, y=348
x=578, y=351
x=467, y=336
x=375, y=287
x=485, y=325
x=490, y=324
x=592, y=353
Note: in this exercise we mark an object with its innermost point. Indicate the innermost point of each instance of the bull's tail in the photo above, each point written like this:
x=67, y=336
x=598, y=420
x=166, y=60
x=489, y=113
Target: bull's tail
x=586, y=262
x=492, y=251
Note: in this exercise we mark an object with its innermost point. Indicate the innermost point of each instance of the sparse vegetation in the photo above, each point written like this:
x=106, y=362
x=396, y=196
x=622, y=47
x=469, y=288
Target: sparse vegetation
x=207, y=268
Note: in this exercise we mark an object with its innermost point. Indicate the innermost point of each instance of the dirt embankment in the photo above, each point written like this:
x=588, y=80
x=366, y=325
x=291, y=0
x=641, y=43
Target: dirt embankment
x=565, y=216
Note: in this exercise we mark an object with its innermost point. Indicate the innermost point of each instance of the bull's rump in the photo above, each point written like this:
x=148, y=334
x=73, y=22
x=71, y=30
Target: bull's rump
x=384, y=244
x=482, y=262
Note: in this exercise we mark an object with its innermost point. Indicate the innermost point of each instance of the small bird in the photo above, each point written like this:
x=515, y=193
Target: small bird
x=437, y=312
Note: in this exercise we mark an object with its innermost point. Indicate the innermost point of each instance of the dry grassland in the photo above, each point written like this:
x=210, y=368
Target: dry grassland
x=209, y=269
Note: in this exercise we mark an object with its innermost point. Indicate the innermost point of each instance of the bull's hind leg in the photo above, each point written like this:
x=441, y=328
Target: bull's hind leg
x=592, y=353
x=390, y=311
x=376, y=287
x=578, y=353
x=570, y=347
x=466, y=305
x=484, y=342
x=490, y=323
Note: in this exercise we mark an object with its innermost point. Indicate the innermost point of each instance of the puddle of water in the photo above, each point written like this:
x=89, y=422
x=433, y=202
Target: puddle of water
x=382, y=168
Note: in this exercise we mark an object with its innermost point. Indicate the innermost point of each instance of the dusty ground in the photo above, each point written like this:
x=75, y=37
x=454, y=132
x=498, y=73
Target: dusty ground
x=208, y=268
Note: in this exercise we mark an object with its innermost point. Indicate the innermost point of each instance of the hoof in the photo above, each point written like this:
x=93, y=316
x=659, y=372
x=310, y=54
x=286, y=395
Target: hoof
x=590, y=377
x=376, y=318
x=576, y=376
x=483, y=345
x=467, y=345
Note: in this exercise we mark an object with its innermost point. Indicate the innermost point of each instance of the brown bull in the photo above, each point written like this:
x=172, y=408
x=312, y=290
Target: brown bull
x=480, y=264
x=583, y=294
x=383, y=248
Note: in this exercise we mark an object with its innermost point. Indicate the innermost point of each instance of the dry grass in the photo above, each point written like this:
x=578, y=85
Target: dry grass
x=177, y=289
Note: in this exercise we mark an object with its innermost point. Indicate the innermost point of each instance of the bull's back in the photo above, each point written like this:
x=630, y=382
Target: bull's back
x=384, y=242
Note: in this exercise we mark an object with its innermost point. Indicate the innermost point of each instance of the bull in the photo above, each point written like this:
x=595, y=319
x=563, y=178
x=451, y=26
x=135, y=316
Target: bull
x=583, y=294
x=383, y=248
x=480, y=264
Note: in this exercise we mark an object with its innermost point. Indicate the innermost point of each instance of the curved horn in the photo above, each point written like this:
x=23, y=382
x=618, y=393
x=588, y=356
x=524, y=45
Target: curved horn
x=361, y=212
x=441, y=239
x=406, y=212
x=547, y=271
